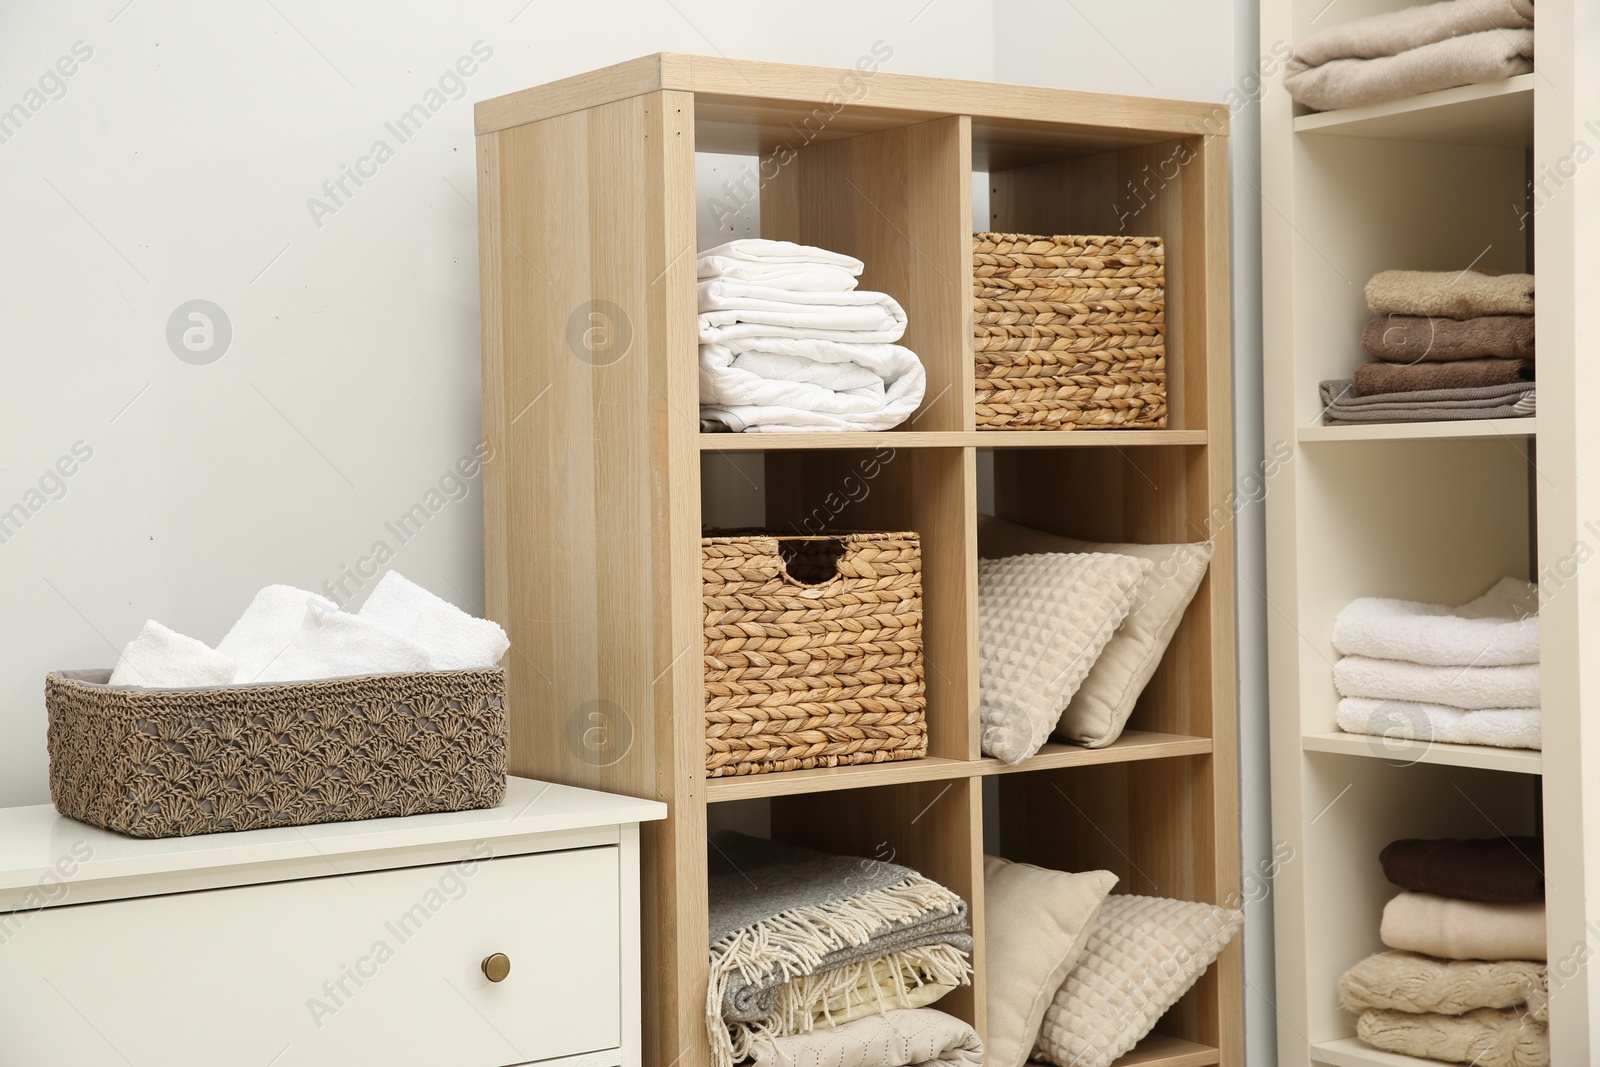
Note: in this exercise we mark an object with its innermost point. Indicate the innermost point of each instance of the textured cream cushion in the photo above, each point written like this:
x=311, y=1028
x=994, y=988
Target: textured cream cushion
x=1035, y=925
x=1100, y=708
x=1042, y=622
x=1142, y=955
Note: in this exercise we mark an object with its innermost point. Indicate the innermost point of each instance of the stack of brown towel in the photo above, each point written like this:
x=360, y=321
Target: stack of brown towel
x=1446, y=345
x=1466, y=980
x=1412, y=51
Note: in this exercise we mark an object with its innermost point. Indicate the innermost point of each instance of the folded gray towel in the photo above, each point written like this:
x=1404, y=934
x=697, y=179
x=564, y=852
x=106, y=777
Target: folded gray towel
x=1342, y=407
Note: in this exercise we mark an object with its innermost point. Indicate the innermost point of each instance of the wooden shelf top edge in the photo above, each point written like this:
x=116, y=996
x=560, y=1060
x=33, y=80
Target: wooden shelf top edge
x=775, y=442
x=1353, y=1052
x=1421, y=431
x=1132, y=745
x=918, y=96
x=1492, y=113
x=1516, y=760
x=1159, y=1050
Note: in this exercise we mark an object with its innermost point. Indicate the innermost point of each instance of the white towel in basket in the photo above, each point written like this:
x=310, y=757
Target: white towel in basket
x=162, y=657
x=452, y=639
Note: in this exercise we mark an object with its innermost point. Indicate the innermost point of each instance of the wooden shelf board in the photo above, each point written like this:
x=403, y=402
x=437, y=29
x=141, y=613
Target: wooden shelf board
x=1132, y=745
x=1517, y=760
x=773, y=442
x=1420, y=431
x=1159, y=1050
x=828, y=779
x=1353, y=1052
x=1495, y=113
x=750, y=105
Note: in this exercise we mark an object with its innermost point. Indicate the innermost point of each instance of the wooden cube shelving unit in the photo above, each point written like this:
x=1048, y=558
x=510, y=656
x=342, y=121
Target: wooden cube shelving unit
x=594, y=496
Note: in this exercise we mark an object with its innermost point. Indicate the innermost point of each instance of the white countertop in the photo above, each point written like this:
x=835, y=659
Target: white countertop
x=38, y=845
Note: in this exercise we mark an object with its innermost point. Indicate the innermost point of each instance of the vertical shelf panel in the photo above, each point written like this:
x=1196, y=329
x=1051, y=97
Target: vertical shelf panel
x=901, y=202
x=592, y=559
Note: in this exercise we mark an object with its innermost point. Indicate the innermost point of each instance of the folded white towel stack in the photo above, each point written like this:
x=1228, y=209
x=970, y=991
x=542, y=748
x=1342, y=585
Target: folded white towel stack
x=789, y=344
x=289, y=634
x=163, y=657
x=454, y=640
x=1460, y=675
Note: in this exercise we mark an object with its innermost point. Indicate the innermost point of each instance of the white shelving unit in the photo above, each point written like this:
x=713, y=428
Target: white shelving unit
x=1430, y=511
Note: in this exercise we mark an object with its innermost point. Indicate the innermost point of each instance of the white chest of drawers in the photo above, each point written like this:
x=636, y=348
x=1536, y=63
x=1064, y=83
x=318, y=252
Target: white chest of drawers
x=346, y=944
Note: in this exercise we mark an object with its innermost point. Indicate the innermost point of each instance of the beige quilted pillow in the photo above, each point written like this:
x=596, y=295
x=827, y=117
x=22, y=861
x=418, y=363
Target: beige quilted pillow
x=1142, y=955
x=1042, y=622
x=1035, y=924
x=1100, y=708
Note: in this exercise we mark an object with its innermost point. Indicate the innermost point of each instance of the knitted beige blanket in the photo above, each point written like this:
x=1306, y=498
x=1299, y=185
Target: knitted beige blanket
x=1487, y=1037
x=1406, y=981
x=1450, y=294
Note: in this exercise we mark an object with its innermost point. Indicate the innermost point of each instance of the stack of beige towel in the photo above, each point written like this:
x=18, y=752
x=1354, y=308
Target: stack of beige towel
x=1465, y=979
x=1446, y=345
x=1412, y=51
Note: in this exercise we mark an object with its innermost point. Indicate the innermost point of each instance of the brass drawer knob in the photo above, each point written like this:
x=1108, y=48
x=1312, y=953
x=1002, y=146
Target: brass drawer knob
x=496, y=967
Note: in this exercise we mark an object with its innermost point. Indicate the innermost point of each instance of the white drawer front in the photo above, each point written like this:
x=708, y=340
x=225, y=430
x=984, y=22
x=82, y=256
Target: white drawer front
x=379, y=969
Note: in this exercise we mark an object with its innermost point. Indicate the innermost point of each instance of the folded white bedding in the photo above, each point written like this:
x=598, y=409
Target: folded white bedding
x=731, y=294
x=1469, y=688
x=875, y=321
x=1401, y=720
x=772, y=255
x=907, y=1037
x=1499, y=628
x=777, y=384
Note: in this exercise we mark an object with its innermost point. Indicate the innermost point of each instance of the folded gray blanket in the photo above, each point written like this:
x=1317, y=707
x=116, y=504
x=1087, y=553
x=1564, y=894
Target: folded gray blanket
x=779, y=912
x=1411, y=27
x=1420, y=339
x=1340, y=405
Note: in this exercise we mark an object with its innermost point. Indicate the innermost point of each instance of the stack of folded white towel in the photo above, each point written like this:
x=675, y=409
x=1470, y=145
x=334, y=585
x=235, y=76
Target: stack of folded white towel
x=1464, y=675
x=787, y=343
x=290, y=635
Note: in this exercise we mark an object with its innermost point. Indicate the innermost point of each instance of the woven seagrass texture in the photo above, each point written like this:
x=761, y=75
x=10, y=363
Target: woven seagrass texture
x=176, y=762
x=1069, y=332
x=816, y=662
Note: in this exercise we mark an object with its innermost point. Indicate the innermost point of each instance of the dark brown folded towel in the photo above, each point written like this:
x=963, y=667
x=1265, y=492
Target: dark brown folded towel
x=1420, y=339
x=1375, y=376
x=1498, y=870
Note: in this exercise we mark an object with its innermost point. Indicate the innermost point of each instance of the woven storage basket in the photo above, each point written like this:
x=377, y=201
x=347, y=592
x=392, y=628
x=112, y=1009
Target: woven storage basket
x=175, y=762
x=1069, y=332
x=813, y=651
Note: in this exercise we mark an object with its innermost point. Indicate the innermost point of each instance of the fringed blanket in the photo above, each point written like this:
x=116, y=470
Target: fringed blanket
x=781, y=912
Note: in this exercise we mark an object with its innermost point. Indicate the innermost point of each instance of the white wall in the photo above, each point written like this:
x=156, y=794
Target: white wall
x=177, y=164
x=1196, y=51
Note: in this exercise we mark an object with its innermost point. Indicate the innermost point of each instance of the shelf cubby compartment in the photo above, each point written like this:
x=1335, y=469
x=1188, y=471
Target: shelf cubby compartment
x=1495, y=114
x=1149, y=823
x=1402, y=519
x=1354, y=807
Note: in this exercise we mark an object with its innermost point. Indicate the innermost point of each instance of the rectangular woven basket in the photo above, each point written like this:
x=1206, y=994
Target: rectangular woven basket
x=813, y=651
x=176, y=762
x=1069, y=332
